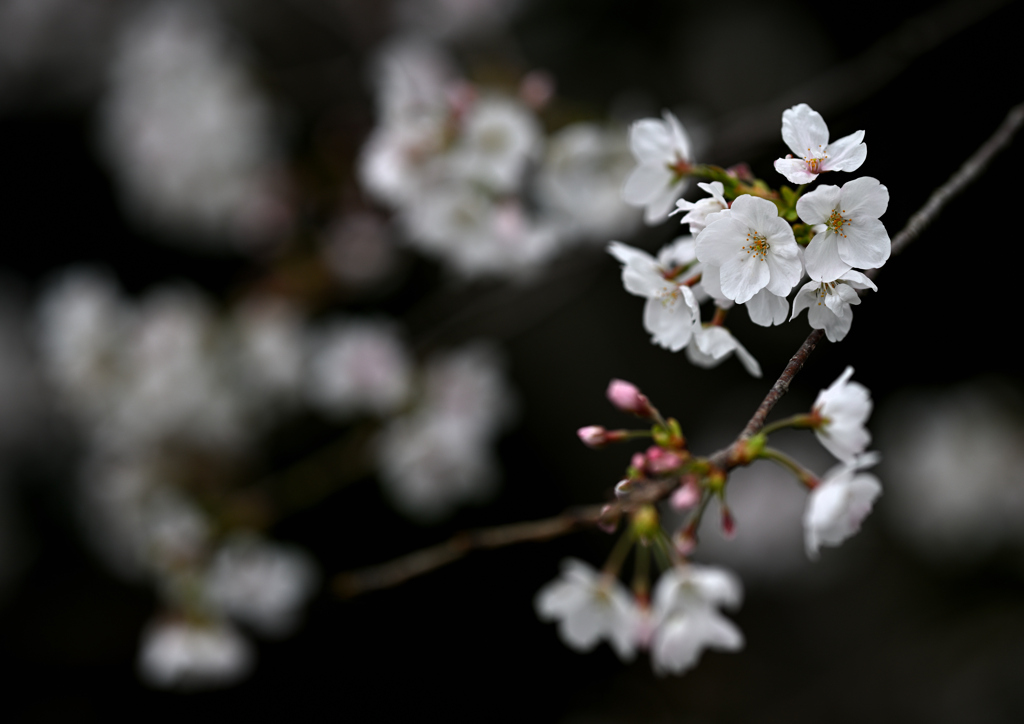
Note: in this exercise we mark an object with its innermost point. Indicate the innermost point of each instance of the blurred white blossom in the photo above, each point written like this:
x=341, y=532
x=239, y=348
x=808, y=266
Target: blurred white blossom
x=441, y=453
x=193, y=655
x=187, y=134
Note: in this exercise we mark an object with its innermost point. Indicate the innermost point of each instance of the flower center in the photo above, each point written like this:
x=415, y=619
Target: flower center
x=757, y=244
x=814, y=162
x=836, y=221
x=824, y=290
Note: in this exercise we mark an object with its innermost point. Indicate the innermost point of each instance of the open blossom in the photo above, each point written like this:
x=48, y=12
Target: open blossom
x=753, y=248
x=700, y=210
x=806, y=134
x=838, y=505
x=843, y=407
x=662, y=149
x=671, y=306
x=590, y=606
x=828, y=304
x=712, y=345
x=499, y=137
x=686, y=619
x=852, y=236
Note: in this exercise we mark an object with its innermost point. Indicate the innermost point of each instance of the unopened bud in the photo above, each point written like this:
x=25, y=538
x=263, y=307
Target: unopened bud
x=685, y=541
x=608, y=521
x=728, y=522
x=742, y=171
x=593, y=436
x=645, y=522
x=661, y=461
x=537, y=88
x=625, y=396
x=686, y=495
x=624, y=488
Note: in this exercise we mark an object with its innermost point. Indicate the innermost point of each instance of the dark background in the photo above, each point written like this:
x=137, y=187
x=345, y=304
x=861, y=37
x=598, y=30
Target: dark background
x=889, y=640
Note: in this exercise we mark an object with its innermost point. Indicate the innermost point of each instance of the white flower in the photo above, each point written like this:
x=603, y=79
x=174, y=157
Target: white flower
x=753, y=248
x=581, y=179
x=590, y=606
x=711, y=345
x=767, y=309
x=686, y=618
x=836, y=507
x=806, y=134
x=176, y=654
x=699, y=211
x=852, y=235
x=260, y=583
x=186, y=130
x=358, y=368
x=671, y=306
x=440, y=454
x=660, y=147
x=828, y=303
x=499, y=136
x=843, y=408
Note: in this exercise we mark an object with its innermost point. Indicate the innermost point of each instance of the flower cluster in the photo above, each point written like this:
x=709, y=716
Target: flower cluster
x=173, y=399
x=749, y=244
x=471, y=174
x=682, y=618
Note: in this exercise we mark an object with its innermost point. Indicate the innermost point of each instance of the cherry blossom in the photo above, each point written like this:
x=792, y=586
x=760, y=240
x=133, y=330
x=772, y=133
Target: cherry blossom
x=590, y=606
x=828, y=303
x=767, y=309
x=500, y=135
x=753, y=247
x=699, y=210
x=843, y=408
x=178, y=654
x=838, y=505
x=671, y=306
x=711, y=345
x=852, y=235
x=806, y=134
x=663, y=151
x=686, y=618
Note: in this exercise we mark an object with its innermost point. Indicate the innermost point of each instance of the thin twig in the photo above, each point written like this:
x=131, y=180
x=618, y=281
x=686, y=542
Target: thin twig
x=399, y=570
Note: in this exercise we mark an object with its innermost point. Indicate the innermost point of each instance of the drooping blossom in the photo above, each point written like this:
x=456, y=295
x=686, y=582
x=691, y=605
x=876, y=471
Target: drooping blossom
x=828, y=304
x=590, y=607
x=712, y=345
x=753, y=248
x=186, y=655
x=843, y=408
x=850, y=234
x=698, y=211
x=806, y=134
x=662, y=150
x=671, y=305
x=685, y=616
x=839, y=503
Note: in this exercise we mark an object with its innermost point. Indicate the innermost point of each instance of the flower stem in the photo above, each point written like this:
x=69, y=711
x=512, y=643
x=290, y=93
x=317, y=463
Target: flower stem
x=618, y=555
x=797, y=421
x=802, y=474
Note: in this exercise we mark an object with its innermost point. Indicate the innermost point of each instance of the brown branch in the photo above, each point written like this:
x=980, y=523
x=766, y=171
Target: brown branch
x=399, y=570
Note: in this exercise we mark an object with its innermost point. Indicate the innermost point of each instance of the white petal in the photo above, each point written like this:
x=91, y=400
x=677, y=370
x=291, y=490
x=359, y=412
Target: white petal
x=817, y=206
x=866, y=244
x=645, y=183
x=846, y=154
x=747, y=360
x=721, y=241
x=744, y=277
x=863, y=196
x=822, y=258
x=680, y=139
x=795, y=170
x=804, y=131
x=754, y=211
x=650, y=141
x=767, y=309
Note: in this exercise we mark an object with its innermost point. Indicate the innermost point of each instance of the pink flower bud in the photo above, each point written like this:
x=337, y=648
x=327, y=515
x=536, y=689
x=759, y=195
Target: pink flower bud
x=537, y=88
x=728, y=522
x=607, y=523
x=593, y=436
x=661, y=461
x=639, y=462
x=625, y=396
x=686, y=495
